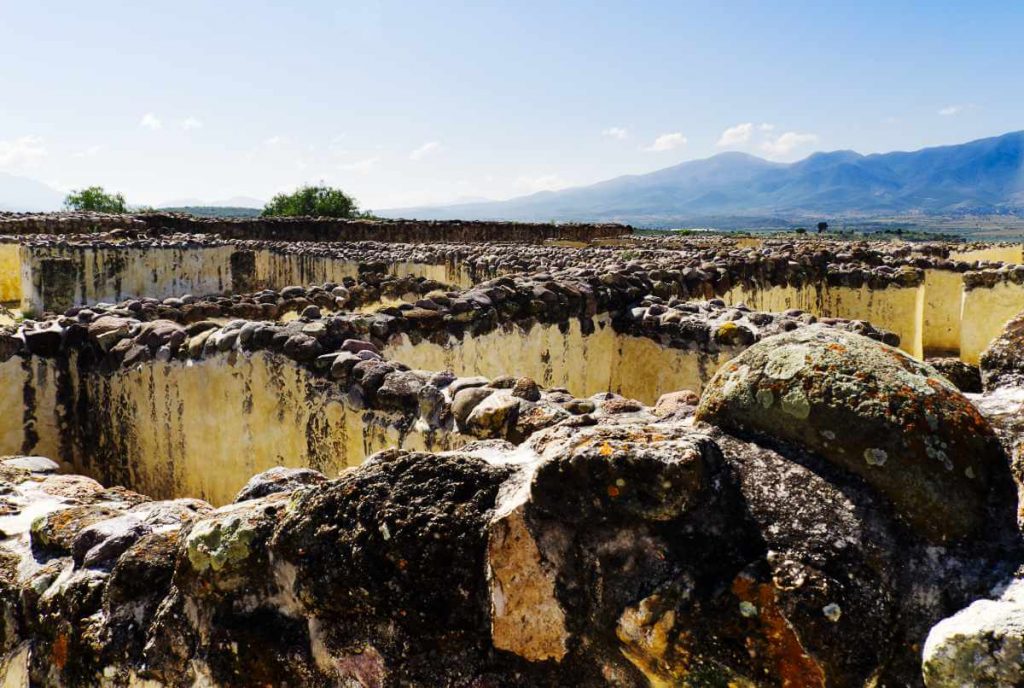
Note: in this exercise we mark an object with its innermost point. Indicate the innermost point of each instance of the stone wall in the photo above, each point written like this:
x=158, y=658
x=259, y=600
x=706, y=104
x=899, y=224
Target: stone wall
x=739, y=539
x=184, y=399
x=199, y=428
x=917, y=293
x=308, y=229
x=895, y=308
x=53, y=278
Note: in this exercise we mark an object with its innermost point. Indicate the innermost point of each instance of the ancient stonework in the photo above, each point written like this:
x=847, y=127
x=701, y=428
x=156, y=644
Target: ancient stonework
x=307, y=452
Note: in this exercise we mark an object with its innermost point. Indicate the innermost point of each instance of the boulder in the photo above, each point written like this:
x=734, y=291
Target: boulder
x=981, y=646
x=527, y=389
x=1002, y=363
x=965, y=377
x=278, y=479
x=465, y=400
x=876, y=412
x=494, y=416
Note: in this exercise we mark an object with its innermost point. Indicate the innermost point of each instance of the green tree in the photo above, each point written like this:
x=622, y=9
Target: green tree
x=95, y=199
x=314, y=201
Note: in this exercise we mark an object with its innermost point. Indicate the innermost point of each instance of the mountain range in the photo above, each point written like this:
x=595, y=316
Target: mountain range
x=23, y=194
x=979, y=177
x=733, y=189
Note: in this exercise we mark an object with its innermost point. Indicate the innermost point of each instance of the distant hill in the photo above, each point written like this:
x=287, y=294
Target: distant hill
x=215, y=211
x=21, y=194
x=981, y=177
x=233, y=202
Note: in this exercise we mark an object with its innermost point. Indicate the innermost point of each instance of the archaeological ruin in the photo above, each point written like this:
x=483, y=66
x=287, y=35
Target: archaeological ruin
x=310, y=452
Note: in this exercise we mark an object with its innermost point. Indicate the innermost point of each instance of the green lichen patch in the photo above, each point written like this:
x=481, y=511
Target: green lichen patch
x=218, y=544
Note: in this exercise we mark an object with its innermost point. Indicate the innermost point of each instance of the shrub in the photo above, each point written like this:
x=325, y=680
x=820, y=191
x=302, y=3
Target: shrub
x=315, y=201
x=95, y=199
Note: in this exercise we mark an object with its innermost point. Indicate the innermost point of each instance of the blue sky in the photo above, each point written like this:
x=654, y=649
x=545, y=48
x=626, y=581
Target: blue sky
x=404, y=103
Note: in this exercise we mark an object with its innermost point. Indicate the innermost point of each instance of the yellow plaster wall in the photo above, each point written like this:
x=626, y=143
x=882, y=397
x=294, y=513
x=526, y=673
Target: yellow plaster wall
x=10, y=273
x=898, y=309
x=112, y=275
x=585, y=364
x=943, y=295
x=30, y=421
x=985, y=313
x=278, y=270
x=750, y=242
x=202, y=428
x=1006, y=253
x=451, y=273
x=117, y=273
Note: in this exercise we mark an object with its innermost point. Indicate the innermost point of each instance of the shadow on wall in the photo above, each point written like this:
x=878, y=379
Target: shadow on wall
x=54, y=279
x=197, y=428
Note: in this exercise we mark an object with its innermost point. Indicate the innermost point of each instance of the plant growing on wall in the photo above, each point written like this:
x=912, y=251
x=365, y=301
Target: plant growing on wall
x=314, y=201
x=95, y=199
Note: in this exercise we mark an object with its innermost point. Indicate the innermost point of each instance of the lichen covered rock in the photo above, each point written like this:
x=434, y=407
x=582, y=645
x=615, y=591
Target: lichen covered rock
x=624, y=549
x=876, y=412
x=980, y=646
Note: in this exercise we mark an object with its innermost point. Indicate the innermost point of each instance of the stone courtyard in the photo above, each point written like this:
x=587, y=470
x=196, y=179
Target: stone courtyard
x=384, y=453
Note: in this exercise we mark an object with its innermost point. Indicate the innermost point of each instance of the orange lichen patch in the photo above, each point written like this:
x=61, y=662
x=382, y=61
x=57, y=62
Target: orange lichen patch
x=613, y=491
x=59, y=654
x=58, y=528
x=777, y=641
x=621, y=440
x=645, y=632
x=659, y=642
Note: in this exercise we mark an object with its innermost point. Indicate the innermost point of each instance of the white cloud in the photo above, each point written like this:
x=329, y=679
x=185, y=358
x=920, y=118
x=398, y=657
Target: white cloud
x=22, y=151
x=786, y=143
x=360, y=166
x=766, y=126
x=667, y=142
x=951, y=110
x=615, y=133
x=426, y=149
x=150, y=121
x=190, y=123
x=273, y=141
x=90, y=152
x=736, y=136
x=544, y=182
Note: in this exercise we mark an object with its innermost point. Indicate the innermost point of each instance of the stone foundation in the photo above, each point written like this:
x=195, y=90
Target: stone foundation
x=579, y=459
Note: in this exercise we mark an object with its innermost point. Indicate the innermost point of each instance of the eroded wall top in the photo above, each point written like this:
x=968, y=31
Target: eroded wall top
x=308, y=228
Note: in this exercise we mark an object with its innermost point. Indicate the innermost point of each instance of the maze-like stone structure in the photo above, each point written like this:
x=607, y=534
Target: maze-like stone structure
x=324, y=453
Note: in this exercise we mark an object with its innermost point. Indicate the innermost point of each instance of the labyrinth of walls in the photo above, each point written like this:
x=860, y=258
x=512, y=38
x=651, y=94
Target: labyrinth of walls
x=310, y=452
